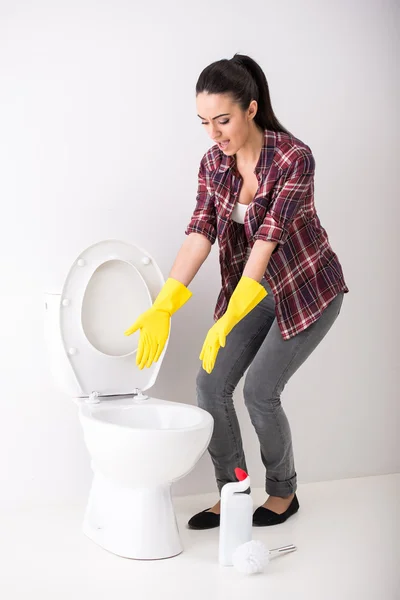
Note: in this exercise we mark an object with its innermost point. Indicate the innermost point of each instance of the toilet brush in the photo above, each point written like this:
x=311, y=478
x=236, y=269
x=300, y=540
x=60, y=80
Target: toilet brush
x=252, y=557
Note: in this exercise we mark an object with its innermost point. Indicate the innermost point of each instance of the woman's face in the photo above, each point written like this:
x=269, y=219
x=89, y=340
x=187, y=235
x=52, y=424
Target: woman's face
x=224, y=120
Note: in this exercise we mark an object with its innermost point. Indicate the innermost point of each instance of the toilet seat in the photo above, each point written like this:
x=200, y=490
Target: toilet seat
x=109, y=285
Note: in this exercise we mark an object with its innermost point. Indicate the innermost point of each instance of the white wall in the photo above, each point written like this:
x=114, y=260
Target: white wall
x=100, y=139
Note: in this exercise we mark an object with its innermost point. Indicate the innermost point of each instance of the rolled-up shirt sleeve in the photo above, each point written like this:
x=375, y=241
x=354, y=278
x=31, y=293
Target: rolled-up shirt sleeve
x=204, y=218
x=291, y=193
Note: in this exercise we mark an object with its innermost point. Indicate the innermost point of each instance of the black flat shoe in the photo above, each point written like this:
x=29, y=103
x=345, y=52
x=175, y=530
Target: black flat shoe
x=204, y=520
x=264, y=516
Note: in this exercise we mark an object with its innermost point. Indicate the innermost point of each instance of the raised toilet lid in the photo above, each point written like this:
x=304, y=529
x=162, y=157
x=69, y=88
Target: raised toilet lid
x=109, y=285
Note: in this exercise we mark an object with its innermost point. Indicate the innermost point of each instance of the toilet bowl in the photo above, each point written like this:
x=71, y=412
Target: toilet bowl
x=139, y=445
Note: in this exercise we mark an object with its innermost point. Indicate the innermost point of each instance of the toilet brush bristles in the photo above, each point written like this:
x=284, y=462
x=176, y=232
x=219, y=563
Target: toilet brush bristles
x=252, y=557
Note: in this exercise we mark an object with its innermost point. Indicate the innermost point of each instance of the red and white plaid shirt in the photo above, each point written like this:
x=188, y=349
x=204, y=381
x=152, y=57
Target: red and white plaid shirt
x=303, y=272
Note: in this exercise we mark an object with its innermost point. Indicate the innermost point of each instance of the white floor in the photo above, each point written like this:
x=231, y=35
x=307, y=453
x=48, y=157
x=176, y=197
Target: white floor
x=347, y=533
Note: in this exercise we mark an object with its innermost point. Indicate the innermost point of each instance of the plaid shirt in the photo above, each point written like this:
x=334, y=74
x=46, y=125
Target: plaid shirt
x=303, y=272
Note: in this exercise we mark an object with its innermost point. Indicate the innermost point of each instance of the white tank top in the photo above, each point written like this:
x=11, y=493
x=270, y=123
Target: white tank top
x=239, y=211
x=238, y=215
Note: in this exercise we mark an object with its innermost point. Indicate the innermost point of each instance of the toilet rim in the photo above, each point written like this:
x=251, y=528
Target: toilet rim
x=87, y=412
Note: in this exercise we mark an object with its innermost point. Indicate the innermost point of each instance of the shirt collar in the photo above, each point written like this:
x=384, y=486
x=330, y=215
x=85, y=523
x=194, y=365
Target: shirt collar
x=265, y=158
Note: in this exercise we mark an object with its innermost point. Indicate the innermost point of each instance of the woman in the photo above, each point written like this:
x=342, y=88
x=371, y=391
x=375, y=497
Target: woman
x=282, y=284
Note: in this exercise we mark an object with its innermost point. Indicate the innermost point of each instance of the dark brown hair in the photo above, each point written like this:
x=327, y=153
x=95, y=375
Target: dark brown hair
x=244, y=80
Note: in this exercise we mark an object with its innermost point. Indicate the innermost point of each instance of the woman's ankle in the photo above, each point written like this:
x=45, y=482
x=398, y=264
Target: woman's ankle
x=216, y=508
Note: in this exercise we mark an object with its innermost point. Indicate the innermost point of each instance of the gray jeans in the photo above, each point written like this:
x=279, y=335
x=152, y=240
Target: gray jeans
x=256, y=341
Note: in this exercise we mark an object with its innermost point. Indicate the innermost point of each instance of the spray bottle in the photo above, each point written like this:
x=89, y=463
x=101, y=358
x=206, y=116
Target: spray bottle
x=236, y=517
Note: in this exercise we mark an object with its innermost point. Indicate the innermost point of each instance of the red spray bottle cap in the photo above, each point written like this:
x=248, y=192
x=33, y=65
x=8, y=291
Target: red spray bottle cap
x=240, y=474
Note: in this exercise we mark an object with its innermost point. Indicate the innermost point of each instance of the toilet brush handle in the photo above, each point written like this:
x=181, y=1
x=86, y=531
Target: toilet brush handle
x=282, y=549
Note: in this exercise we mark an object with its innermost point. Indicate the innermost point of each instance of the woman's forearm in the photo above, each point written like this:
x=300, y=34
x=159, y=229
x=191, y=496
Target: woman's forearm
x=190, y=257
x=259, y=259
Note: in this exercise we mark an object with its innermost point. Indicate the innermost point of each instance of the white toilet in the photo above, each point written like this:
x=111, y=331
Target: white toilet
x=139, y=445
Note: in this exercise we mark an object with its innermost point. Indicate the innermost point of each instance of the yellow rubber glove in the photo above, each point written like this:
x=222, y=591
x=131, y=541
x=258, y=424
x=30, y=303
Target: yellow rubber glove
x=154, y=323
x=248, y=293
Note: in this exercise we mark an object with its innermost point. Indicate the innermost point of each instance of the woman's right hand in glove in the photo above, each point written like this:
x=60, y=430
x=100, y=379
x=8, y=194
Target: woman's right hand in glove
x=154, y=328
x=154, y=323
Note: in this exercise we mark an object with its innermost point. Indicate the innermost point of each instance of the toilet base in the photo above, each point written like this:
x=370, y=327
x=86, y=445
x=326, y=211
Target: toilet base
x=135, y=523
